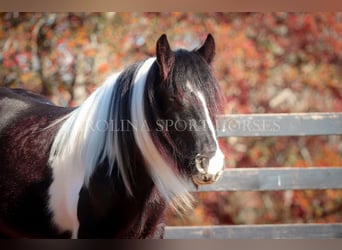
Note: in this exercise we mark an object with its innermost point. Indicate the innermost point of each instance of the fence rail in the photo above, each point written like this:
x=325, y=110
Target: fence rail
x=298, y=124
x=269, y=179
x=282, y=231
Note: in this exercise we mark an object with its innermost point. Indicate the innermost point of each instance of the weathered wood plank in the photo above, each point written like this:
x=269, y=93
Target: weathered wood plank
x=294, y=124
x=282, y=231
x=263, y=179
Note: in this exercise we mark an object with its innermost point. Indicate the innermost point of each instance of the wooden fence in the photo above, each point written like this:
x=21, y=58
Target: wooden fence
x=267, y=179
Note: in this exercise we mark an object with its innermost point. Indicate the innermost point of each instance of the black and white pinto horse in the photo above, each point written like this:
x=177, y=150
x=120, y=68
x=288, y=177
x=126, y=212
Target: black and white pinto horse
x=110, y=167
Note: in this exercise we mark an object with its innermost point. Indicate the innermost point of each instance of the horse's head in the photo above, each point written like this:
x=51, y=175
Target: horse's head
x=188, y=96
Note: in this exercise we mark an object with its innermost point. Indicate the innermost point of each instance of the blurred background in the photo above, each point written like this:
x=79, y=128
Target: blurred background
x=265, y=63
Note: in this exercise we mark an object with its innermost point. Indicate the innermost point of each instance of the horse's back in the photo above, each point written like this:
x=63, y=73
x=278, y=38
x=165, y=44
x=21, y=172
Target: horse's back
x=16, y=102
x=23, y=94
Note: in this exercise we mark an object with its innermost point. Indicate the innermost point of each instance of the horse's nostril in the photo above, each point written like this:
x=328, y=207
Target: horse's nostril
x=202, y=163
x=202, y=159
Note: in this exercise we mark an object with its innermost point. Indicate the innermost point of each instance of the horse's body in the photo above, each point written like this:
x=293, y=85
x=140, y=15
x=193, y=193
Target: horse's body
x=24, y=174
x=109, y=168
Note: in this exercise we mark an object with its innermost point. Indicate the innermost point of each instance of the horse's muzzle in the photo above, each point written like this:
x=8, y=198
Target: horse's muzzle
x=208, y=170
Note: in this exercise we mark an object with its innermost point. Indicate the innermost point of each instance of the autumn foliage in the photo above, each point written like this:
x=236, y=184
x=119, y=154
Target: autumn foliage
x=265, y=63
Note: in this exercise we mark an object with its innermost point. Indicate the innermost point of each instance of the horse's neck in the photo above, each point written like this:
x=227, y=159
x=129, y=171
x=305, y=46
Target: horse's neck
x=114, y=213
x=141, y=182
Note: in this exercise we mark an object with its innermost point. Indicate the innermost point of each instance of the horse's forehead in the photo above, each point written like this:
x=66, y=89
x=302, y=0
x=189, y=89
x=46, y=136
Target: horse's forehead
x=191, y=68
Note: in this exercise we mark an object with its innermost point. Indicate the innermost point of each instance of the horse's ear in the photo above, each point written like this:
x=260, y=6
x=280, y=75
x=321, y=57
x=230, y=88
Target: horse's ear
x=165, y=56
x=207, y=51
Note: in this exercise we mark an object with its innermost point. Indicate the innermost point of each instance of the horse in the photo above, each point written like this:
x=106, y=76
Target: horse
x=110, y=167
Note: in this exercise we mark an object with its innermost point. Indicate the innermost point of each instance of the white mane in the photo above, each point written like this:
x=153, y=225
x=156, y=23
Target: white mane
x=172, y=187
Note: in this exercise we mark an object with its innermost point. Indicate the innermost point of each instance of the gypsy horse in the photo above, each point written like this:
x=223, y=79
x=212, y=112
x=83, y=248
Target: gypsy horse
x=110, y=167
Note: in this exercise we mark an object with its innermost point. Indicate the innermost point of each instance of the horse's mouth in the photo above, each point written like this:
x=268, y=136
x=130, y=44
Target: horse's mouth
x=208, y=171
x=200, y=179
